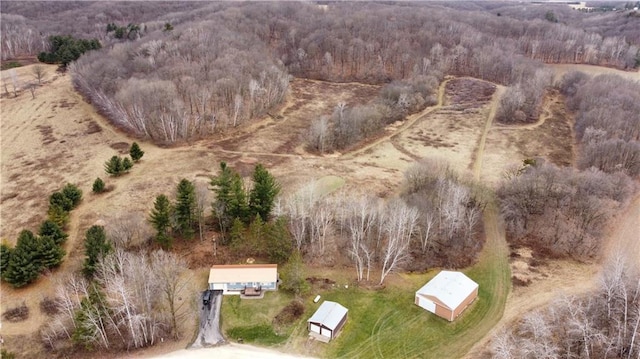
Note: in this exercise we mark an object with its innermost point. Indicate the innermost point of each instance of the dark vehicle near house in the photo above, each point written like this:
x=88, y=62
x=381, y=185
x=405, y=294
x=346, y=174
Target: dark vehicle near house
x=206, y=298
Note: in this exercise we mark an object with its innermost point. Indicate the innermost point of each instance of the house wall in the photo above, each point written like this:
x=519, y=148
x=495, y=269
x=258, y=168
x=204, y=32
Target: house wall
x=235, y=288
x=443, y=312
x=468, y=300
x=339, y=327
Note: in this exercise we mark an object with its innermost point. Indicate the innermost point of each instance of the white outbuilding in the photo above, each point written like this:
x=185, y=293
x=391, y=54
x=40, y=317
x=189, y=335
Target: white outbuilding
x=447, y=294
x=326, y=322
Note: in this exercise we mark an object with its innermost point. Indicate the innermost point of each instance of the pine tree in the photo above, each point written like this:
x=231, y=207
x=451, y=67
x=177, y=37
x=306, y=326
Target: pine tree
x=98, y=185
x=73, y=194
x=23, y=266
x=264, y=191
x=135, y=152
x=161, y=220
x=58, y=215
x=238, y=206
x=51, y=229
x=96, y=247
x=114, y=166
x=236, y=236
x=278, y=241
x=60, y=200
x=50, y=254
x=185, y=208
x=222, y=190
x=126, y=164
x=5, y=256
x=255, y=239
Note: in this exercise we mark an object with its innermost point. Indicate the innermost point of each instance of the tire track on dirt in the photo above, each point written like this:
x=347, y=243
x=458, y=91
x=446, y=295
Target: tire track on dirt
x=495, y=101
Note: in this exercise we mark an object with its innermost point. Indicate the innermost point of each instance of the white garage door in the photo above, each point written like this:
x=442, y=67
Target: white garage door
x=427, y=304
x=325, y=332
x=315, y=328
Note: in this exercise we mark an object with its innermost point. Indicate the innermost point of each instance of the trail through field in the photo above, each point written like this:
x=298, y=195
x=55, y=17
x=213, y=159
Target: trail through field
x=495, y=102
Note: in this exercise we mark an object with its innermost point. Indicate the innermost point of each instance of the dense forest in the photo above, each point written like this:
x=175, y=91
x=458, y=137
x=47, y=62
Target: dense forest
x=223, y=64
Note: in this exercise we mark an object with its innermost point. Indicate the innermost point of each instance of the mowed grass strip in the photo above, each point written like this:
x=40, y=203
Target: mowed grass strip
x=386, y=323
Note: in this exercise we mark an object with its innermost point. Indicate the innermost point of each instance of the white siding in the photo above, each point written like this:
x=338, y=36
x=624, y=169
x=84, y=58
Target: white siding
x=426, y=304
x=325, y=332
x=314, y=328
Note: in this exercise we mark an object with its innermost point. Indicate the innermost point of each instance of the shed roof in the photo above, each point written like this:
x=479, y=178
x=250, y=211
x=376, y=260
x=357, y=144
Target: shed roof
x=329, y=314
x=451, y=288
x=243, y=273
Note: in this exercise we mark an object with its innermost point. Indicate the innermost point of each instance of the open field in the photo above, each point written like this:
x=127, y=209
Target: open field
x=57, y=138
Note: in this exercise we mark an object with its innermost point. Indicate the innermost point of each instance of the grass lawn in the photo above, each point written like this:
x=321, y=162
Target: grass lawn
x=385, y=323
x=252, y=319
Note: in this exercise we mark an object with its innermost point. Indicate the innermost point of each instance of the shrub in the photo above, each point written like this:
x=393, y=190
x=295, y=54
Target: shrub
x=98, y=185
x=17, y=314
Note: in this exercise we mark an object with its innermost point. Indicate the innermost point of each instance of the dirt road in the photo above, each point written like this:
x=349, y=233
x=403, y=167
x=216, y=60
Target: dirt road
x=230, y=351
x=495, y=101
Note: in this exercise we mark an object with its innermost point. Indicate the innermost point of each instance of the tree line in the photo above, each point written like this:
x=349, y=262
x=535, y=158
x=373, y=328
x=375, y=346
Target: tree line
x=435, y=222
x=34, y=253
x=201, y=89
x=607, y=124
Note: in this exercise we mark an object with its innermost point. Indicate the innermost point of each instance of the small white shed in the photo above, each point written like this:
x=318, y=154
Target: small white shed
x=326, y=322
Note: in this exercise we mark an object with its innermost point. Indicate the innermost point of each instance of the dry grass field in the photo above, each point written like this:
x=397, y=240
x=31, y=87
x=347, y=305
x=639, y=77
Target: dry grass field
x=56, y=137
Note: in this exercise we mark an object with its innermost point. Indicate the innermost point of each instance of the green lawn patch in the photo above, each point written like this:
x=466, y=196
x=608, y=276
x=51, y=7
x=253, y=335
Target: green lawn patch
x=252, y=320
x=10, y=65
x=328, y=184
x=258, y=334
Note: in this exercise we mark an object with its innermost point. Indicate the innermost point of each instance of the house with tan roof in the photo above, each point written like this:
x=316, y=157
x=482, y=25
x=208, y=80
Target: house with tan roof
x=245, y=279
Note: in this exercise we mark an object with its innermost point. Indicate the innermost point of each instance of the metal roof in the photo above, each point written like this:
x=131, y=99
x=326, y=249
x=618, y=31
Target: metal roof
x=451, y=288
x=329, y=314
x=243, y=273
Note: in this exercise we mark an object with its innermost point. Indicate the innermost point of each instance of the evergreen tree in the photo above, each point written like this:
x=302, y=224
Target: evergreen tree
x=114, y=166
x=238, y=206
x=264, y=191
x=135, y=152
x=221, y=186
x=58, y=215
x=5, y=256
x=278, y=241
x=185, y=208
x=255, y=240
x=126, y=164
x=236, y=236
x=96, y=247
x=98, y=185
x=51, y=229
x=23, y=266
x=161, y=220
x=58, y=199
x=73, y=194
x=50, y=254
